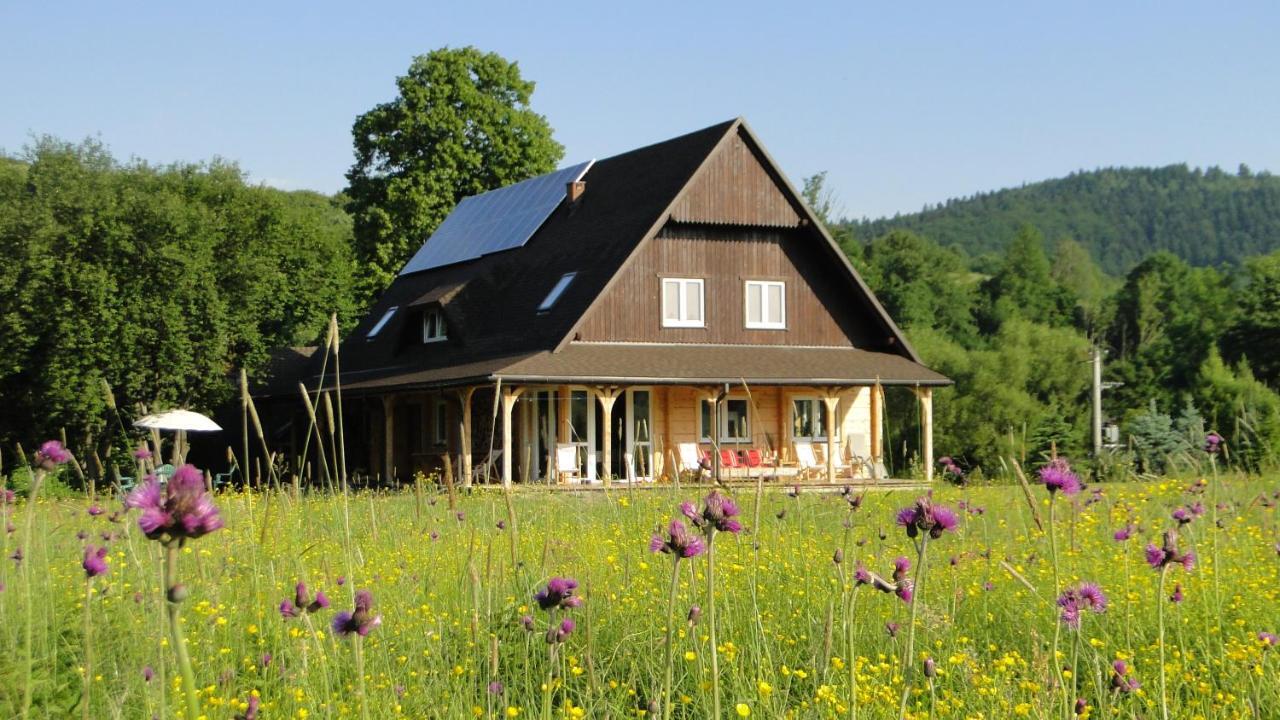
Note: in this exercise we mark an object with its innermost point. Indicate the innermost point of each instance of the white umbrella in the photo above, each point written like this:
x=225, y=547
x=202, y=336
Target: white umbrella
x=177, y=420
x=180, y=421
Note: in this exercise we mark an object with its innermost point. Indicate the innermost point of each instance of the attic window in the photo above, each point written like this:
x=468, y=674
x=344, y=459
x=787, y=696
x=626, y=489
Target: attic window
x=561, y=285
x=386, y=317
x=433, y=329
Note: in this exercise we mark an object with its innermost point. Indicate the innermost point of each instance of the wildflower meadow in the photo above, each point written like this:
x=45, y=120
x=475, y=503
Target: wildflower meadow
x=1053, y=599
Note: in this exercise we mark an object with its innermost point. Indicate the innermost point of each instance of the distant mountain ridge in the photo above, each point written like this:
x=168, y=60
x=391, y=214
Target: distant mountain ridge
x=1122, y=215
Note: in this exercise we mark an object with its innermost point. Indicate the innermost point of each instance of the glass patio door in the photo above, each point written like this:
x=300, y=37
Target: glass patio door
x=639, y=440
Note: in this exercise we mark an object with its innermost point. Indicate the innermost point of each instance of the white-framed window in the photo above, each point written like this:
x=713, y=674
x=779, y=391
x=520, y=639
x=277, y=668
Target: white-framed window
x=682, y=302
x=735, y=421
x=440, y=423
x=382, y=322
x=765, y=304
x=809, y=419
x=433, y=328
x=556, y=291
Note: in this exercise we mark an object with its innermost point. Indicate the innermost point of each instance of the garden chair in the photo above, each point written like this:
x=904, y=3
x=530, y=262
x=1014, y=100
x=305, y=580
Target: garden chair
x=729, y=459
x=755, y=457
x=806, y=460
x=567, y=463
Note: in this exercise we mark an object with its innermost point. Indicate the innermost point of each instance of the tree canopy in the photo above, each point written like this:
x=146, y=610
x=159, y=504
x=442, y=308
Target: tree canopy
x=158, y=281
x=460, y=124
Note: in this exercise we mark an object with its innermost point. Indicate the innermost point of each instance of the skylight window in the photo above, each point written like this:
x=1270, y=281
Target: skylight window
x=386, y=317
x=561, y=285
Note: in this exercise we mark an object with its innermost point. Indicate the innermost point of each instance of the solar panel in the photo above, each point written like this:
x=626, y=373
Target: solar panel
x=494, y=221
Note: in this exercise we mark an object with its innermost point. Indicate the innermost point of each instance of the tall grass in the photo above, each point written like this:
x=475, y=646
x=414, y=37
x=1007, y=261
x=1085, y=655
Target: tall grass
x=452, y=591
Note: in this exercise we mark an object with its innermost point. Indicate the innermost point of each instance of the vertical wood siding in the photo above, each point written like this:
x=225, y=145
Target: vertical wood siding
x=735, y=188
x=821, y=309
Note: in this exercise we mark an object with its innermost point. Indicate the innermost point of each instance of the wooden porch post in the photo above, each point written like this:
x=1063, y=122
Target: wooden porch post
x=876, y=426
x=388, y=437
x=509, y=398
x=830, y=400
x=926, y=429
x=607, y=397
x=464, y=434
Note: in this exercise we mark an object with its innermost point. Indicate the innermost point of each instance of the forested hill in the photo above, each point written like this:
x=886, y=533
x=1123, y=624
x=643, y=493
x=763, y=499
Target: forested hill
x=1122, y=215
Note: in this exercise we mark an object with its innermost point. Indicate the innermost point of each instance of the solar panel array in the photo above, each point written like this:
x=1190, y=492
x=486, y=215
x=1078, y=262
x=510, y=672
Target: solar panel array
x=498, y=220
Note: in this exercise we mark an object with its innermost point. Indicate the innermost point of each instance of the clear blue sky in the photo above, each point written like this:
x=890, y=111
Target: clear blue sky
x=902, y=105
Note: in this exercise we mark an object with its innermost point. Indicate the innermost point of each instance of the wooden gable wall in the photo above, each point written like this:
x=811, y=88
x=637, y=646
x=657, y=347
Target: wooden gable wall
x=820, y=308
x=735, y=222
x=735, y=188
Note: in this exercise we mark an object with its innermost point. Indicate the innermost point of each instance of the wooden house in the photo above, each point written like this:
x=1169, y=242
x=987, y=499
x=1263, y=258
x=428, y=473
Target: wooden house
x=675, y=296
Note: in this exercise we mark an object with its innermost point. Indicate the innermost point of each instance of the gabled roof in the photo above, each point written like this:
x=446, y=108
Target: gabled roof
x=491, y=303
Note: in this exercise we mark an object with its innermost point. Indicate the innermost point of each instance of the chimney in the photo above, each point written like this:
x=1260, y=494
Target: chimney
x=574, y=190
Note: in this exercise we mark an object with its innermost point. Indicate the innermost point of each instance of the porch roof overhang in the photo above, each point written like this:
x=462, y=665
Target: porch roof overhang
x=660, y=364
x=690, y=364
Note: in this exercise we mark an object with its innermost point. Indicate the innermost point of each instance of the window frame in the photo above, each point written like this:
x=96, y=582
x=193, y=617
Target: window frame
x=382, y=322
x=553, y=296
x=442, y=328
x=763, y=323
x=723, y=437
x=820, y=407
x=682, y=301
x=440, y=423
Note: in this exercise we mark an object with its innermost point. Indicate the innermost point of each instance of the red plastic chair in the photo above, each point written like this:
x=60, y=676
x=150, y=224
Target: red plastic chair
x=755, y=458
x=729, y=459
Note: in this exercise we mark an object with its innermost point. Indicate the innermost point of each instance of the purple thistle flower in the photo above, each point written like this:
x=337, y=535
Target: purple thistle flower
x=1057, y=475
x=1092, y=597
x=94, y=511
x=147, y=673
x=689, y=511
x=179, y=509
x=495, y=687
x=930, y=668
x=861, y=576
x=362, y=621
x=502, y=524
x=558, y=594
x=51, y=454
x=925, y=516
x=1125, y=532
x=904, y=591
x=1268, y=639
x=16, y=556
x=719, y=512
x=142, y=453
x=1120, y=678
x=901, y=565
x=288, y=610
x=526, y=621
x=838, y=556
x=1182, y=516
x=558, y=633
x=892, y=629
x=95, y=561
x=1160, y=556
x=1176, y=597
x=1081, y=707
x=1212, y=443
x=695, y=613
x=680, y=542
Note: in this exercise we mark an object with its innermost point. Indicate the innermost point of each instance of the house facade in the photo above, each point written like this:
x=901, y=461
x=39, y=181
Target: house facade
x=617, y=320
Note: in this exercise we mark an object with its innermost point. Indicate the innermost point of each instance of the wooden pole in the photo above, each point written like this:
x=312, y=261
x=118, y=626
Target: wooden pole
x=829, y=401
x=464, y=432
x=926, y=422
x=607, y=396
x=508, y=403
x=388, y=437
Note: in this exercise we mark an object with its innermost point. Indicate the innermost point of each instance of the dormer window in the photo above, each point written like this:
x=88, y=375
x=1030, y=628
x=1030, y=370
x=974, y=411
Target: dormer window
x=382, y=322
x=556, y=291
x=433, y=328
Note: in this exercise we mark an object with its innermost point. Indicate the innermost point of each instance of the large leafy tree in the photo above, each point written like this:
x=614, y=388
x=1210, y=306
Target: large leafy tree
x=461, y=124
x=158, y=282
x=1255, y=334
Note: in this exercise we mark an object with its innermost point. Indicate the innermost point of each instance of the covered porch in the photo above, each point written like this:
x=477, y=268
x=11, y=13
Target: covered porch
x=600, y=434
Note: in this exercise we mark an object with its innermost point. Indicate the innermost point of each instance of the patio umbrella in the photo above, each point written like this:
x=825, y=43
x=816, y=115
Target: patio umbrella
x=179, y=421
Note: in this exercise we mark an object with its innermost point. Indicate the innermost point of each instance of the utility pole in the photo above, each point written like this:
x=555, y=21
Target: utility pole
x=1097, y=401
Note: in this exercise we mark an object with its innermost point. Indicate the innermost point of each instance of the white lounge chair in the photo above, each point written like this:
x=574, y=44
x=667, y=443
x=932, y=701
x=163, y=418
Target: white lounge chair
x=567, y=463
x=806, y=460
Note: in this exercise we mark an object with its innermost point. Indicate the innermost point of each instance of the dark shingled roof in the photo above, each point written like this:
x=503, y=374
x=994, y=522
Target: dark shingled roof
x=491, y=303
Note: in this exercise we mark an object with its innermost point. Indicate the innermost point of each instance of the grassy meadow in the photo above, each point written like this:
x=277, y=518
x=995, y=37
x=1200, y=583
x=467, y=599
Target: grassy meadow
x=452, y=585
